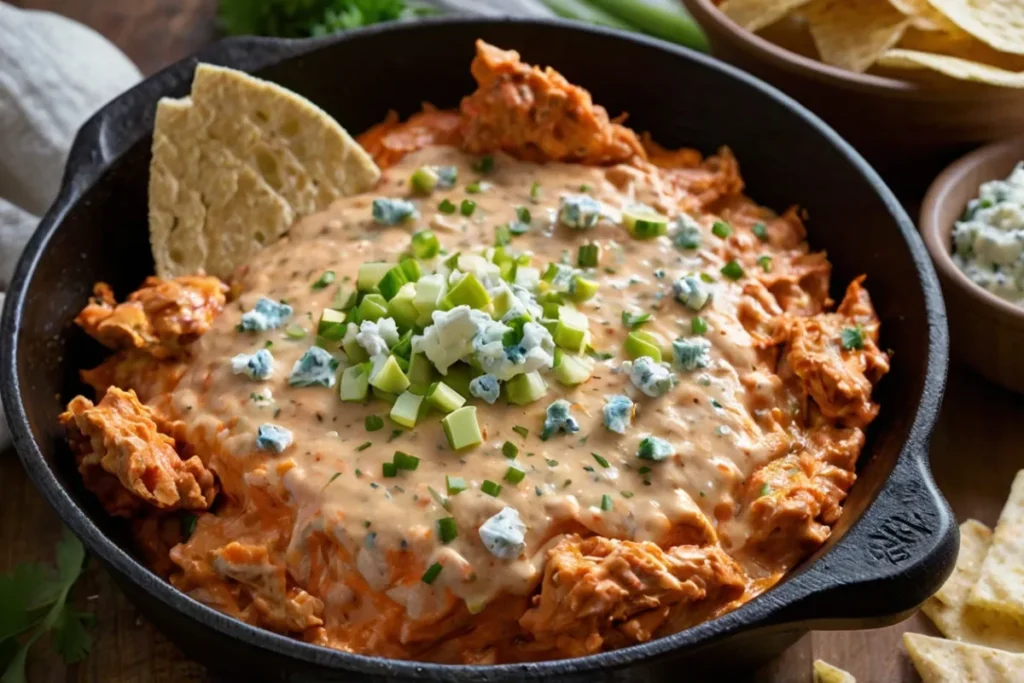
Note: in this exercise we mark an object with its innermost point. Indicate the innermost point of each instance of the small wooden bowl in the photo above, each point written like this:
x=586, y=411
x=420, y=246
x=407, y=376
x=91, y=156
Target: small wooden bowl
x=986, y=332
x=902, y=127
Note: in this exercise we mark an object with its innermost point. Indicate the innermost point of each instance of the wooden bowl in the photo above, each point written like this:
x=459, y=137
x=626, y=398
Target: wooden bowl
x=986, y=332
x=898, y=125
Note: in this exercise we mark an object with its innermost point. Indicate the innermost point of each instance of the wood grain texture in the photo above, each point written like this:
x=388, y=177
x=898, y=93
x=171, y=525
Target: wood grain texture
x=974, y=456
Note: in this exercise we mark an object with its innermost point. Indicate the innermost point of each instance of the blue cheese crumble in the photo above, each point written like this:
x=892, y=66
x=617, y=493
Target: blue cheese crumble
x=654, y=379
x=267, y=314
x=376, y=337
x=270, y=437
x=316, y=368
x=655, y=448
x=387, y=211
x=558, y=419
x=691, y=292
x=259, y=365
x=504, y=534
x=485, y=387
x=579, y=211
x=691, y=354
x=686, y=233
x=618, y=413
x=988, y=241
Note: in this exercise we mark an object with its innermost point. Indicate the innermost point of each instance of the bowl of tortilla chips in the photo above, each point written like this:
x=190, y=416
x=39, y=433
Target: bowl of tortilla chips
x=907, y=81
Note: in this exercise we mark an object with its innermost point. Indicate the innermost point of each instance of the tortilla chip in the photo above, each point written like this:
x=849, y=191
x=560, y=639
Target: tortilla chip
x=1000, y=23
x=754, y=15
x=947, y=661
x=955, y=42
x=948, y=608
x=953, y=67
x=294, y=145
x=852, y=34
x=235, y=165
x=207, y=210
x=1000, y=586
x=826, y=673
x=922, y=15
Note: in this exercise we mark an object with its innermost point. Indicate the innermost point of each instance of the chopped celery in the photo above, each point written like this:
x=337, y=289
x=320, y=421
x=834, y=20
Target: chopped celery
x=461, y=428
x=524, y=389
x=407, y=409
x=421, y=370
x=389, y=377
x=572, y=331
x=444, y=398
x=392, y=282
x=370, y=274
x=373, y=307
x=402, y=306
x=572, y=369
x=355, y=382
x=468, y=291
x=331, y=325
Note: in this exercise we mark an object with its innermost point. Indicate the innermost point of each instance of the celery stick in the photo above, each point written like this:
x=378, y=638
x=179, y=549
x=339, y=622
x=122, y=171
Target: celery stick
x=672, y=23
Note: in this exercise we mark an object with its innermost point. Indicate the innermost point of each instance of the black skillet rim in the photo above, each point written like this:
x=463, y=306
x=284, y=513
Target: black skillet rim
x=747, y=617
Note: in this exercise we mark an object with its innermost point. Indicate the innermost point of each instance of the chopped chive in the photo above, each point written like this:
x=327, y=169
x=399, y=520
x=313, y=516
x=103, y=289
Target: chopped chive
x=588, y=468
x=446, y=206
x=601, y=461
x=513, y=475
x=551, y=463
x=395, y=433
x=373, y=423
x=535, y=191
x=389, y=469
x=363, y=446
x=188, y=525
x=521, y=431
x=706, y=278
x=333, y=477
x=523, y=214
x=454, y=485
x=404, y=461
x=425, y=244
x=324, y=280
x=765, y=262
x=643, y=470
x=490, y=488
x=484, y=164
x=606, y=502
x=431, y=574
x=502, y=235
x=509, y=450
x=585, y=188
x=467, y=207
x=732, y=270
x=588, y=255
x=766, y=489
x=721, y=229
x=761, y=231
x=634, y=320
x=852, y=338
x=473, y=188
x=698, y=325
x=446, y=529
x=627, y=494
x=295, y=331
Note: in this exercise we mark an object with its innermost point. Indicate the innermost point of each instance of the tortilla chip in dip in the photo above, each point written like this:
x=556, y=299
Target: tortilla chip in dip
x=236, y=164
x=826, y=673
x=948, y=661
x=1000, y=585
x=948, y=608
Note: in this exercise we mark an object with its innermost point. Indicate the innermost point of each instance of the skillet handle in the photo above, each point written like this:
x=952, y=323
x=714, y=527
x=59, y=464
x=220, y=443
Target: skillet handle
x=895, y=557
x=122, y=123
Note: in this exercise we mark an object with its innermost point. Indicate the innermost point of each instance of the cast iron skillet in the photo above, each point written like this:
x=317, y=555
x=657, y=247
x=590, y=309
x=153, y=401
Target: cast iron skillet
x=896, y=541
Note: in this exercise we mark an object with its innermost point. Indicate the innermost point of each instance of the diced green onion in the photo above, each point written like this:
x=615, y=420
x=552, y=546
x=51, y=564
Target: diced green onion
x=484, y=164
x=732, y=270
x=509, y=450
x=474, y=188
x=761, y=231
x=513, y=475
x=588, y=255
x=645, y=224
x=634, y=320
x=424, y=179
x=502, y=235
x=363, y=446
x=331, y=325
x=425, y=244
x=295, y=331
x=392, y=282
x=535, y=191
x=373, y=423
x=698, y=325
x=521, y=431
x=601, y=461
x=523, y=214
x=470, y=292
x=467, y=207
x=404, y=461
x=370, y=273
x=765, y=262
x=324, y=280
x=389, y=469
x=454, y=485
x=852, y=338
x=446, y=206
x=432, y=573
x=606, y=502
x=447, y=531
x=639, y=344
x=721, y=229
x=490, y=488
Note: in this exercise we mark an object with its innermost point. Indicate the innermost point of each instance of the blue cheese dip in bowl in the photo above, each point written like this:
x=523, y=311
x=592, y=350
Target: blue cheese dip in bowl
x=972, y=221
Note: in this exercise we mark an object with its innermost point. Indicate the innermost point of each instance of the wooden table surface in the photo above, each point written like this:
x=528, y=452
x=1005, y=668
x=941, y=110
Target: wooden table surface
x=980, y=423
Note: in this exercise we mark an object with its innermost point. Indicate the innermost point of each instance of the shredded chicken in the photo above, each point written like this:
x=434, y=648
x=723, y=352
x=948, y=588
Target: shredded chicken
x=161, y=317
x=839, y=380
x=389, y=140
x=597, y=586
x=537, y=115
x=128, y=461
x=134, y=369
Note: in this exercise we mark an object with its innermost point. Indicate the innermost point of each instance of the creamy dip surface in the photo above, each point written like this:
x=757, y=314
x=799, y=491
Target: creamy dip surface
x=988, y=241
x=669, y=406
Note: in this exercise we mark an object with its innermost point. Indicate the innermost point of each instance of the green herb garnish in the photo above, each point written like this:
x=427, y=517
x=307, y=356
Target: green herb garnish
x=373, y=423
x=446, y=206
x=732, y=270
x=606, y=502
x=431, y=574
x=447, y=531
x=601, y=461
x=509, y=450
x=467, y=207
x=324, y=280
x=852, y=338
x=363, y=446
x=761, y=231
x=721, y=229
x=521, y=431
x=765, y=262
x=490, y=488
x=634, y=320
x=698, y=325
